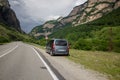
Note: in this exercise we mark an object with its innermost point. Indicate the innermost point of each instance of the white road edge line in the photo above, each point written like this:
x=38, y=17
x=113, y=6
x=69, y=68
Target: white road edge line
x=48, y=68
x=8, y=51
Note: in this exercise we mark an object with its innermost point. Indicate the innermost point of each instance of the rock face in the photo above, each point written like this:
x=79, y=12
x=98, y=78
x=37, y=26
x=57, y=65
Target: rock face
x=45, y=29
x=89, y=11
x=7, y=15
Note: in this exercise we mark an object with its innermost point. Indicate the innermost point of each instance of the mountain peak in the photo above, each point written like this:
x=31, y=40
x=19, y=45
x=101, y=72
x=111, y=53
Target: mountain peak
x=4, y=3
x=8, y=16
x=84, y=13
x=94, y=9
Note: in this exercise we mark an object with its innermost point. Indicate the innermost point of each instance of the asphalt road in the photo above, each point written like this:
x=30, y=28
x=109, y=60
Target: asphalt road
x=19, y=61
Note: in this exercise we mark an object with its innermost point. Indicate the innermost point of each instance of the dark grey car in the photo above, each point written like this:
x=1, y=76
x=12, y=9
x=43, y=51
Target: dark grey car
x=57, y=47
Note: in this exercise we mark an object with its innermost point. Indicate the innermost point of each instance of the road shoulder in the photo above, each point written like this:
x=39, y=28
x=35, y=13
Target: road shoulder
x=70, y=70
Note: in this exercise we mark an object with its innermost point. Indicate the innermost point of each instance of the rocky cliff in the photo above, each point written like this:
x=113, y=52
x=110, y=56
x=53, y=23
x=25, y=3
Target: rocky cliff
x=7, y=15
x=89, y=11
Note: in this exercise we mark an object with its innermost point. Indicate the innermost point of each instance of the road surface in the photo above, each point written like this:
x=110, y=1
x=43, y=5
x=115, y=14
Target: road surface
x=19, y=61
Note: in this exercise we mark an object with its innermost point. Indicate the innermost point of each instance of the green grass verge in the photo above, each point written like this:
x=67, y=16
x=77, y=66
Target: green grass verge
x=103, y=62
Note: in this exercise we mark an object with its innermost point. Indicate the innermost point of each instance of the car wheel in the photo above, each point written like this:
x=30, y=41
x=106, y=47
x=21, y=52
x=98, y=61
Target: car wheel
x=68, y=55
x=46, y=51
x=51, y=53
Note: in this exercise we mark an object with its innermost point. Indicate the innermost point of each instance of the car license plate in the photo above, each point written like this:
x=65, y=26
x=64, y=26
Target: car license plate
x=61, y=50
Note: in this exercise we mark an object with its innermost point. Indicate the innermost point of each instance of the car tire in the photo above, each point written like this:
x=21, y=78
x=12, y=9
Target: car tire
x=46, y=51
x=51, y=53
x=67, y=54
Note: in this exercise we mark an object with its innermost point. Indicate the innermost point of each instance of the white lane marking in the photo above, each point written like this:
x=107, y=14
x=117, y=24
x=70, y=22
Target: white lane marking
x=8, y=51
x=48, y=68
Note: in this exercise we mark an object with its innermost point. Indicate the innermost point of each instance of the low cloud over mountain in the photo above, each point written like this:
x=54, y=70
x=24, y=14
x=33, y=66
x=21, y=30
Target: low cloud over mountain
x=34, y=12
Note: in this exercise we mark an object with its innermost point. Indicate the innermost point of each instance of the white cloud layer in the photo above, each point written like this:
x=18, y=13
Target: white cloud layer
x=78, y=2
x=35, y=12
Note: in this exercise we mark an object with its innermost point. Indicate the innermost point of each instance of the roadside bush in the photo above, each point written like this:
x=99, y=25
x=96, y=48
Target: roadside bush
x=3, y=39
x=116, y=46
x=91, y=44
x=100, y=45
x=83, y=44
x=41, y=42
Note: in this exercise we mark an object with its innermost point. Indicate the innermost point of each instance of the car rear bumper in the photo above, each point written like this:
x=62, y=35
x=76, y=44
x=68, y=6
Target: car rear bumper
x=60, y=53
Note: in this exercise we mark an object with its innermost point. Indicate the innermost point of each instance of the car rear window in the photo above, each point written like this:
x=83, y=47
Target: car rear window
x=61, y=43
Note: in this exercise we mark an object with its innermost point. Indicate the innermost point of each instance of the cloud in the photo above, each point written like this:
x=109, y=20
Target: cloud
x=34, y=12
x=14, y=3
x=78, y=2
x=52, y=17
x=44, y=8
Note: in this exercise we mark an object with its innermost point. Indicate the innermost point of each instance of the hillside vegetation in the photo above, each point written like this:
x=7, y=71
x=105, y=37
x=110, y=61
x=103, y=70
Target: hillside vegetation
x=8, y=34
x=101, y=34
x=83, y=13
x=49, y=26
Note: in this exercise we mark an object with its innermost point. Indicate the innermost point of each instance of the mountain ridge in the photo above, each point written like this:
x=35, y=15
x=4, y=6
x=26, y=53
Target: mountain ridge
x=102, y=34
x=8, y=16
x=84, y=13
x=10, y=29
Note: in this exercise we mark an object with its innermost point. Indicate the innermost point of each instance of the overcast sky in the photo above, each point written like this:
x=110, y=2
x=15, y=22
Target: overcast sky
x=35, y=12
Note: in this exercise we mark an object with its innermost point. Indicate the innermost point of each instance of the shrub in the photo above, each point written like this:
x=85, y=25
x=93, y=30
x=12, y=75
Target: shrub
x=83, y=44
x=4, y=39
x=116, y=46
